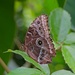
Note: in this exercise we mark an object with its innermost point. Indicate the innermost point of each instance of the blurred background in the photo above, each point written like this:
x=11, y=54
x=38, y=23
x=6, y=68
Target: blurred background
x=15, y=18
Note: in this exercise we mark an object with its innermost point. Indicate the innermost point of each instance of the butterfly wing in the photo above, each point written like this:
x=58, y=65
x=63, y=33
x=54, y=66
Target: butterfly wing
x=38, y=43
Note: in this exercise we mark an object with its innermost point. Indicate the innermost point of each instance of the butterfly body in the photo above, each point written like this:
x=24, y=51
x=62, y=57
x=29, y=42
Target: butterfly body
x=38, y=43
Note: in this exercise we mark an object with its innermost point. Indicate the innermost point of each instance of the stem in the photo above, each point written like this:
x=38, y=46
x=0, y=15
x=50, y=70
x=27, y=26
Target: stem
x=18, y=43
x=4, y=65
x=59, y=48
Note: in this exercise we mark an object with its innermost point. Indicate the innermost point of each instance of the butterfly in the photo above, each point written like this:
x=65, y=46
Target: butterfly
x=38, y=42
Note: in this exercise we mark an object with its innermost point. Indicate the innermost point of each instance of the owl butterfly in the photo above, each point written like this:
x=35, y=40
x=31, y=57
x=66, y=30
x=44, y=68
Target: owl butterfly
x=38, y=43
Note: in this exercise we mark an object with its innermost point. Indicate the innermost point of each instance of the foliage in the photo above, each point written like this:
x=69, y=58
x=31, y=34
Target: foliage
x=61, y=29
x=24, y=71
x=7, y=29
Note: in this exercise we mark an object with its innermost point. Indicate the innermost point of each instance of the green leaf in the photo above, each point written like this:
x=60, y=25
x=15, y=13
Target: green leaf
x=27, y=58
x=7, y=29
x=58, y=62
x=25, y=71
x=61, y=3
x=70, y=39
x=60, y=24
x=46, y=68
x=62, y=72
x=68, y=53
x=70, y=7
x=50, y=5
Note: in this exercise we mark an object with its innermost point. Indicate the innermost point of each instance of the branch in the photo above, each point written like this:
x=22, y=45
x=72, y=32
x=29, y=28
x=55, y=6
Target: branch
x=4, y=65
x=18, y=43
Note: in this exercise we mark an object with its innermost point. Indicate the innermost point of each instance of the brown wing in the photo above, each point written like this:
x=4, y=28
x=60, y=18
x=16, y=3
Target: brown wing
x=38, y=43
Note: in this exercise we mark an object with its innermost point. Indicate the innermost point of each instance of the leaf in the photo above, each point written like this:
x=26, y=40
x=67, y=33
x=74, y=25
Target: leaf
x=58, y=62
x=46, y=68
x=60, y=24
x=25, y=71
x=61, y=3
x=62, y=72
x=70, y=7
x=70, y=39
x=50, y=5
x=7, y=29
x=27, y=58
x=68, y=53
